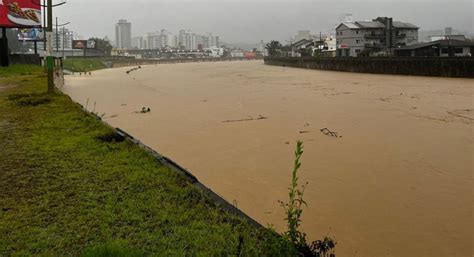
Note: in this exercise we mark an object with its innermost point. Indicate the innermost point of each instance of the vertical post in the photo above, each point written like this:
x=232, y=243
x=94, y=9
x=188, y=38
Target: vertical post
x=44, y=23
x=64, y=39
x=4, y=51
x=57, y=37
x=50, y=58
x=36, y=47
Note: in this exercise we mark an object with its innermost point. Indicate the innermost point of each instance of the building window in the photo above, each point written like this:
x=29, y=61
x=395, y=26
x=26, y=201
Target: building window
x=357, y=32
x=357, y=41
x=444, y=51
x=357, y=51
x=458, y=50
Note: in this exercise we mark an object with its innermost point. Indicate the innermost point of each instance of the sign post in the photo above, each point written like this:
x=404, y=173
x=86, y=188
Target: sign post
x=49, y=41
x=4, y=49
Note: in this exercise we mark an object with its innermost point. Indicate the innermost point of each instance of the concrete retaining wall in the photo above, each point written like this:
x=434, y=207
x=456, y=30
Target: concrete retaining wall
x=438, y=67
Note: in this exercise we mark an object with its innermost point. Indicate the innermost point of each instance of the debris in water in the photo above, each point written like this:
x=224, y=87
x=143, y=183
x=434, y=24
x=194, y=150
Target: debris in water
x=145, y=110
x=328, y=132
x=133, y=69
x=304, y=132
x=260, y=117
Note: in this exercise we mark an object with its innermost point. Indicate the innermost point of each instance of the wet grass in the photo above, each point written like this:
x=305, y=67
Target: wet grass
x=70, y=188
x=83, y=64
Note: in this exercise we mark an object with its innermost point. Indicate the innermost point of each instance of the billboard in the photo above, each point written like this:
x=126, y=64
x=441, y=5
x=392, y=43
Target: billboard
x=91, y=44
x=79, y=44
x=20, y=13
x=84, y=44
x=32, y=34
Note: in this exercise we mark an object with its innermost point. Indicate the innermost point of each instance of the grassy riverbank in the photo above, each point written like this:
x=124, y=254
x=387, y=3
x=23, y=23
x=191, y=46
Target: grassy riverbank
x=65, y=192
x=83, y=64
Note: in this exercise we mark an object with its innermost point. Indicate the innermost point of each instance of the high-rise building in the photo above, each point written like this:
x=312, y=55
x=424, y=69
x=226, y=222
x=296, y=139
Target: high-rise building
x=62, y=39
x=137, y=43
x=123, y=34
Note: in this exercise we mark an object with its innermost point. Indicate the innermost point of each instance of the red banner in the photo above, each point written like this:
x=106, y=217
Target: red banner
x=20, y=13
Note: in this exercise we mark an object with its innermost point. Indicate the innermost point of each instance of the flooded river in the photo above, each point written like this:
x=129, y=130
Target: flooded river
x=397, y=183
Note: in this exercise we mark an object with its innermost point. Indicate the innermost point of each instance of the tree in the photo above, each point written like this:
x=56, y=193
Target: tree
x=274, y=48
x=103, y=46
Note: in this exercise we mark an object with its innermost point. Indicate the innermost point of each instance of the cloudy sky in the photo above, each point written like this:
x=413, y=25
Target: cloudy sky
x=253, y=20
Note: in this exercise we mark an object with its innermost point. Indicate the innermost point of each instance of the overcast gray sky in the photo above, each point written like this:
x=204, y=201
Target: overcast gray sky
x=253, y=20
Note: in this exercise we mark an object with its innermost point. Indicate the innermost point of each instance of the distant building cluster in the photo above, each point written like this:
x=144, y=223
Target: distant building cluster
x=163, y=39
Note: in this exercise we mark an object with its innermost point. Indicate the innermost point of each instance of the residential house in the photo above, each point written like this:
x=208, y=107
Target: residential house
x=379, y=35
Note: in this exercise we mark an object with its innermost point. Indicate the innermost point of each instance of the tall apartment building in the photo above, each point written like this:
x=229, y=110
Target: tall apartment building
x=138, y=43
x=187, y=40
x=381, y=34
x=62, y=39
x=123, y=34
x=166, y=39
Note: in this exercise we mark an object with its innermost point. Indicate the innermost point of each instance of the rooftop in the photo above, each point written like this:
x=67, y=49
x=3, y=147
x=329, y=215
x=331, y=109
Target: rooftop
x=439, y=43
x=377, y=24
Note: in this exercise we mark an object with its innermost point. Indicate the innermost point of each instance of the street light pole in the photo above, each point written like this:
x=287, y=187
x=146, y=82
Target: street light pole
x=49, y=58
x=57, y=37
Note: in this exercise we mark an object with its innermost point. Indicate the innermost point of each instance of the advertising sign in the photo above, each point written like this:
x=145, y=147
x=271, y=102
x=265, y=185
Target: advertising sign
x=79, y=44
x=84, y=44
x=33, y=34
x=91, y=44
x=20, y=13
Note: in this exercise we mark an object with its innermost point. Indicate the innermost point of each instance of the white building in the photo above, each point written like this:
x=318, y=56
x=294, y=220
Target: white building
x=187, y=40
x=123, y=35
x=303, y=34
x=379, y=35
x=138, y=43
x=215, y=51
x=62, y=39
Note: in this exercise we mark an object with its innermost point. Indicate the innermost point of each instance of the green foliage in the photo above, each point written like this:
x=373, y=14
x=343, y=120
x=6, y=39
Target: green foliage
x=83, y=64
x=68, y=188
x=274, y=48
x=103, y=45
x=294, y=210
x=294, y=207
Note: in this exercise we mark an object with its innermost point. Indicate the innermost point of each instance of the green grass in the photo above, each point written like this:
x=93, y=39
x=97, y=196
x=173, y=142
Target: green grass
x=83, y=64
x=64, y=192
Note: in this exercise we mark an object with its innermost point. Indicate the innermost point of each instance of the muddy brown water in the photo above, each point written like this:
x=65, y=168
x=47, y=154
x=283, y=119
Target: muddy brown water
x=397, y=183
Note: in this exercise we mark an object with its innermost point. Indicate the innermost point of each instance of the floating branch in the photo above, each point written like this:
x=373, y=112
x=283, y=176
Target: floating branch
x=328, y=132
x=133, y=69
x=260, y=117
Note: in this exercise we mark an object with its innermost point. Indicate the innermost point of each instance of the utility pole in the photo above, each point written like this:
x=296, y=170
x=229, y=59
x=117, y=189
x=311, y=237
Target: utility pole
x=57, y=36
x=43, y=5
x=49, y=57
